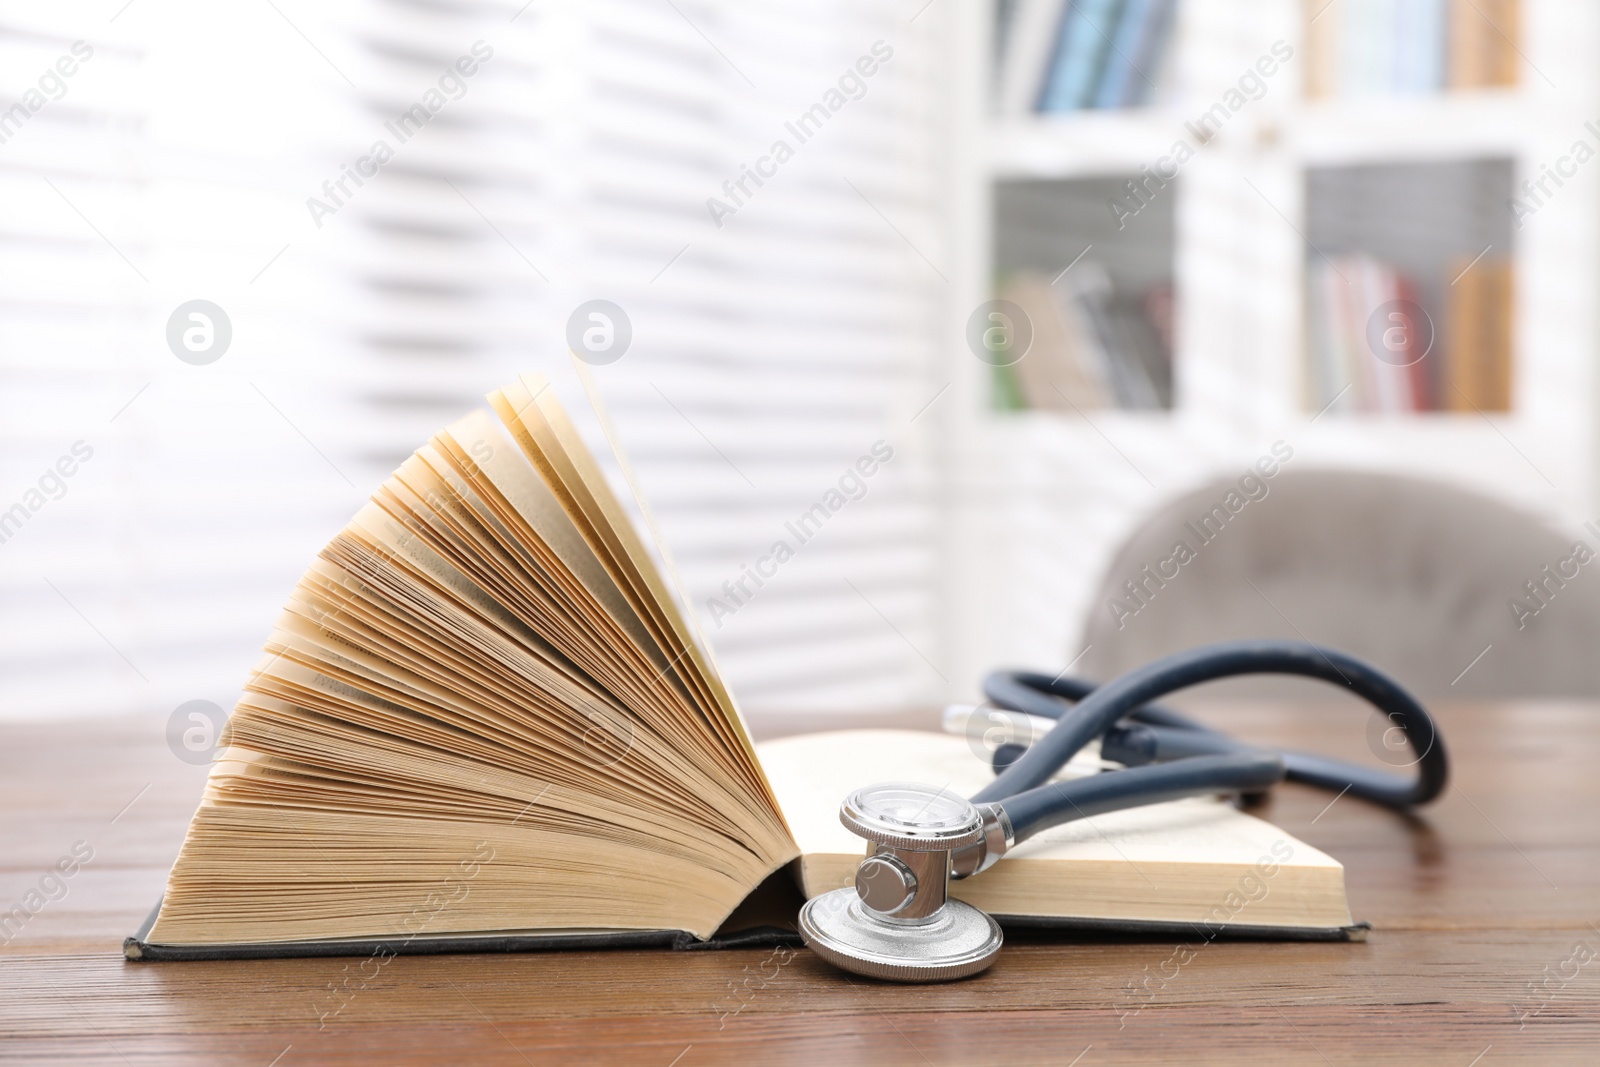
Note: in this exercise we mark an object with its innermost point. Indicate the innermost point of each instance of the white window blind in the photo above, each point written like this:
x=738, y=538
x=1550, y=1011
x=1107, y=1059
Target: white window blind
x=164, y=171
x=770, y=355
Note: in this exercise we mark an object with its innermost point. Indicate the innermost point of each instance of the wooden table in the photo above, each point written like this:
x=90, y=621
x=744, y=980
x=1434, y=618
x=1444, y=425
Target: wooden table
x=1485, y=914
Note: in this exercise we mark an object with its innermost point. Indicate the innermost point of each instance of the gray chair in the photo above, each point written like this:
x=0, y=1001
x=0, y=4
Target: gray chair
x=1416, y=576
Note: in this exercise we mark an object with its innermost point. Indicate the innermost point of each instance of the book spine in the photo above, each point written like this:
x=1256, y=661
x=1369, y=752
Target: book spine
x=1008, y=395
x=1151, y=54
x=1044, y=375
x=1322, y=48
x=1144, y=346
x=1160, y=311
x=1419, y=360
x=1432, y=43
x=1332, y=343
x=1137, y=386
x=1481, y=329
x=1364, y=36
x=1054, y=89
x=1080, y=55
x=1403, y=370
x=1462, y=391
x=1343, y=284
x=1405, y=56
x=1090, y=294
x=1505, y=39
x=1029, y=49
x=1083, y=350
x=1467, y=45
x=1497, y=289
x=1389, y=381
x=1123, y=73
x=1320, y=386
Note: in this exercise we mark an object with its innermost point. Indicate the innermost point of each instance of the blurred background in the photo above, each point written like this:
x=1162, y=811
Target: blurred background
x=1305, y=288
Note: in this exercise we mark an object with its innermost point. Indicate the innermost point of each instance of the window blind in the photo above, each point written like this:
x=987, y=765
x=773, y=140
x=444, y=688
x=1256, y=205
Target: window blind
x=783, y=332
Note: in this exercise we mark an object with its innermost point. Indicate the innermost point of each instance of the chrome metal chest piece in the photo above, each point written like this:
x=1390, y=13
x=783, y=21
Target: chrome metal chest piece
x=898, y=922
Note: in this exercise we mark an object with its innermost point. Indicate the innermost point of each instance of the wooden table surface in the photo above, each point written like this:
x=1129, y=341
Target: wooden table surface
x=1486, y=947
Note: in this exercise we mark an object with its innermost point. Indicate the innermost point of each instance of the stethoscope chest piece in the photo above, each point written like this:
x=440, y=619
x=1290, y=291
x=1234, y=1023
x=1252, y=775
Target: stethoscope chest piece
x=898, y=921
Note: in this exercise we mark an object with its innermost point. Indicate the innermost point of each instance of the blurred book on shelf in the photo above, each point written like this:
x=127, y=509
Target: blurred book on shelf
x=1093, y=347
x=1072, y=55
x=1347, y=369
x=1483, y=43
x=1479, y=367
x=1374, y=348
x=1406, y=47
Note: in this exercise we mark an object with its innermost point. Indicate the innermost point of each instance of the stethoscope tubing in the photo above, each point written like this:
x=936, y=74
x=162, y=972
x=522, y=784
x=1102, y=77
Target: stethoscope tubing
x=1169, y=755
x=1054, y=803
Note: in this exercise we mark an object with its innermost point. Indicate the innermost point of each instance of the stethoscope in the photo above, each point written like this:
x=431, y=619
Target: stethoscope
x=898, y=921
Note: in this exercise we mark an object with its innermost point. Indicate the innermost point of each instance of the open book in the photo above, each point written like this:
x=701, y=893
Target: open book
x=485, y=720
x=1197, y=863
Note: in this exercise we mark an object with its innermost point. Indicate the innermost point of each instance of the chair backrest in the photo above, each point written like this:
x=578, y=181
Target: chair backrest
x=1453, y=593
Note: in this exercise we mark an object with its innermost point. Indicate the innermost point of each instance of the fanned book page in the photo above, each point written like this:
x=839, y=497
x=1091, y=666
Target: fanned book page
x=482, y=712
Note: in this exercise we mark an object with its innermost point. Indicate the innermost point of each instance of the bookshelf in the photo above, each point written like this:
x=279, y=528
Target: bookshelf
x=1050, y=494
x=1408, y=286
x=1101, y=317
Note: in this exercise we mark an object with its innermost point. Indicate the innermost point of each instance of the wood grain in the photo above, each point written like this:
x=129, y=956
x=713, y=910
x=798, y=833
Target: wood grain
x=1488, y=892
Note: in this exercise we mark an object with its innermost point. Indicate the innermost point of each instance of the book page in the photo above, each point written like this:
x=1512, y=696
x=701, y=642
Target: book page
x=1163, y=862
x=686, y=621
x=482, y=658
x=535, y=417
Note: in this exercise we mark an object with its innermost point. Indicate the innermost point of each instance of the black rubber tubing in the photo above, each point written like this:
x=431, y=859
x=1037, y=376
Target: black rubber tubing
x=1134, y=742
x=1099, y=708
x=1057, y=802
